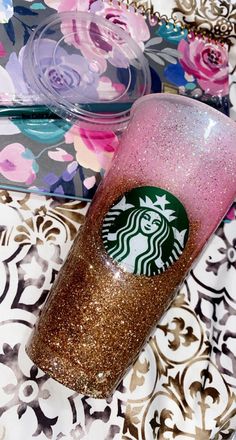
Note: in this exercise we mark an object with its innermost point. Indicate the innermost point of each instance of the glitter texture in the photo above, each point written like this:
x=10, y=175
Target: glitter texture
x=98, y=317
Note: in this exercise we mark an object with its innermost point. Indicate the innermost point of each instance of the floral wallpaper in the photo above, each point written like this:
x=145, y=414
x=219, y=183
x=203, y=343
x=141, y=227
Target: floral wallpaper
x=51, y=156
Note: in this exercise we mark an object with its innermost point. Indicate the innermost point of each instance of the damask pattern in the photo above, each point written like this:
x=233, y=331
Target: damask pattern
x=183, y=384
x=36, y=234
x=192, y=352
x=217, y=17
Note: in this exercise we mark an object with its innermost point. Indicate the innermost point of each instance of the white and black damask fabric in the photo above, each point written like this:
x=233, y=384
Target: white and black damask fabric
x=189, y=365
x=183, y=384
x=36, y=234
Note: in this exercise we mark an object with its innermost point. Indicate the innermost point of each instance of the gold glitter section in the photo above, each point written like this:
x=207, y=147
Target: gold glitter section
x=98, y=317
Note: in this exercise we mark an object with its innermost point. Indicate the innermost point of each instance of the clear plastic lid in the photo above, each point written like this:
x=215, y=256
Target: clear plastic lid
x=86, y=69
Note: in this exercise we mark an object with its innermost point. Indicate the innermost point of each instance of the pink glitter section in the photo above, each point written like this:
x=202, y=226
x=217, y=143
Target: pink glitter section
x=186, y=148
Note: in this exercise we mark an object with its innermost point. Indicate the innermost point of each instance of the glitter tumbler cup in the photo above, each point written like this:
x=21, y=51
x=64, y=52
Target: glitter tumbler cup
x=169, y=185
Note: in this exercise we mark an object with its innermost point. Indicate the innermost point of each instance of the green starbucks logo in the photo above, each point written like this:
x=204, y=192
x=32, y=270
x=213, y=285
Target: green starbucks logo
x=146, y=230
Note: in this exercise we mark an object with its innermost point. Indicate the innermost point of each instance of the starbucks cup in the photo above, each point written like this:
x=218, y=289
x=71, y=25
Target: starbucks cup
x=170, y=183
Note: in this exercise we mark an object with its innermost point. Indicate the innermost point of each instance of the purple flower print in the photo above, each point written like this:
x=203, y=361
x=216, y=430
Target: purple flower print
x=69, y=75
x=63, y=72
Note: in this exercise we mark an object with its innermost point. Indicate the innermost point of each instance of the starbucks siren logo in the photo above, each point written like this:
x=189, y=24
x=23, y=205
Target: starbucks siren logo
x=146, y=230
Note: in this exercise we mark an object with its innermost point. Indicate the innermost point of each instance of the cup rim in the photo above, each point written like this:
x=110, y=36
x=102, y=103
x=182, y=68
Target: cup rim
x=186, y=101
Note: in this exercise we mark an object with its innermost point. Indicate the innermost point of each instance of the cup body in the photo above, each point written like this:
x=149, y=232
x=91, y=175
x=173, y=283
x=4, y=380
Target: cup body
x=169, y=185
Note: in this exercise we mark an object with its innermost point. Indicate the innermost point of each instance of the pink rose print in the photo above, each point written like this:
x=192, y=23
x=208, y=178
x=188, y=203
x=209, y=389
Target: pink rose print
x=18, y=164
x=94, y=149
x=207, y=62
x=92, y=41
x=134, y=24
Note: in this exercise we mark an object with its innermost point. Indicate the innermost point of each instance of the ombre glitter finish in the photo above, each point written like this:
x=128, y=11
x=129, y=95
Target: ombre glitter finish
x=98, y=316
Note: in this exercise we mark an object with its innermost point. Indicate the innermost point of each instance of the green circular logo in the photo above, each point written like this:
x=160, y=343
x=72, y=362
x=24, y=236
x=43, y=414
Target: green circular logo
x=146, y=230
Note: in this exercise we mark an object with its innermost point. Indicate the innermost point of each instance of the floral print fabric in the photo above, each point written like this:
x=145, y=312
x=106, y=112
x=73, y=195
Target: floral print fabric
x=51, y=156
x=62, y=159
